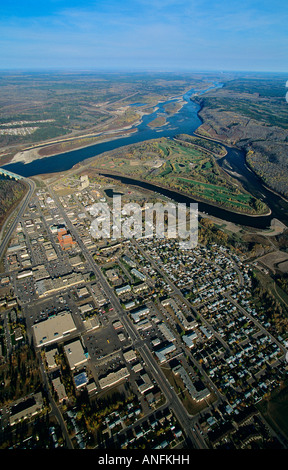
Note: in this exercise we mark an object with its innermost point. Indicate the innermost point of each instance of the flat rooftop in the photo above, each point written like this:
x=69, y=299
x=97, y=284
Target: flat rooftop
x=53, y=329
x=75, y=354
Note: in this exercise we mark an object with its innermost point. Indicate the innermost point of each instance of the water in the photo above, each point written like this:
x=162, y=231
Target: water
x=186, y=121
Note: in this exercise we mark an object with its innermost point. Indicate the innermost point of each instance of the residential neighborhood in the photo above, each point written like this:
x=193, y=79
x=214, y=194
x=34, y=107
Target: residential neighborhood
x=139, y=344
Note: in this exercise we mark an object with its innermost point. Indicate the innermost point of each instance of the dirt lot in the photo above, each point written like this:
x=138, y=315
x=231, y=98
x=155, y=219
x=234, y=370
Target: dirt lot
x=272, y=260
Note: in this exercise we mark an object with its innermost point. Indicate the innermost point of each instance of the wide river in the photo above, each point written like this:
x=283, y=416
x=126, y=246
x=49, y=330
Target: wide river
x=186, y=121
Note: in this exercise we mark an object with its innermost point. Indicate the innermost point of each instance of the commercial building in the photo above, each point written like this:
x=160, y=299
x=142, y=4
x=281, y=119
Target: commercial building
x=53, y=329
x=140, y=312
x=48, y=286
x=85, y=308
x=144, y=383
x=65, y=239
x=130, y=355
x=81, y=379
x=114, y=377
x=50, y=358
x=75, y=354
x=24, y=274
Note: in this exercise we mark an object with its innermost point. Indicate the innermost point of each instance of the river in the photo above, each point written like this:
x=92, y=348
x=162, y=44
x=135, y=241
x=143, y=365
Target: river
x=185, y=121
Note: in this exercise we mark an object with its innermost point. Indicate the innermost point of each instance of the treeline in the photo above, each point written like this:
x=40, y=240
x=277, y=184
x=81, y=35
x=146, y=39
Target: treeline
x=269, y=161
x=11, y=192
x=213, y=147
x=274, y=313
x=20, y=375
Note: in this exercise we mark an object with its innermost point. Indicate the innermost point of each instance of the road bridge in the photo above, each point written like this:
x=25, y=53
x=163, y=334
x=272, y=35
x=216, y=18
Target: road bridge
x=10, y=174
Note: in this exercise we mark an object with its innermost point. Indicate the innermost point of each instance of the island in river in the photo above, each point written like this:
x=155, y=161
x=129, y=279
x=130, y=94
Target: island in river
x=129, y=121
x=185, y=166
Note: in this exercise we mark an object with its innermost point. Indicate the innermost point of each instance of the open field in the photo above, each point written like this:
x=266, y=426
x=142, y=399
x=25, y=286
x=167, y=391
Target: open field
x=43, y=107
x=275, y=411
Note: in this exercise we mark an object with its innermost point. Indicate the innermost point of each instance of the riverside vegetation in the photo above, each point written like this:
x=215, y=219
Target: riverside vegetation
x=185, y=164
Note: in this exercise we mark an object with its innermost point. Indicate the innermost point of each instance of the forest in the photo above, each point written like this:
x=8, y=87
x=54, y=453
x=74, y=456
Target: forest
x=252, y=114
x=11, y=192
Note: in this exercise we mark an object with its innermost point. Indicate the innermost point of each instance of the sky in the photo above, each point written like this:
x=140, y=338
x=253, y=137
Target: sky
x=144, y=35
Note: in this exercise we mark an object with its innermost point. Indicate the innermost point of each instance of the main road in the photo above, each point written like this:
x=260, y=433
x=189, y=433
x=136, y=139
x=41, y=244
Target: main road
x=21, y=209
x=181, y=414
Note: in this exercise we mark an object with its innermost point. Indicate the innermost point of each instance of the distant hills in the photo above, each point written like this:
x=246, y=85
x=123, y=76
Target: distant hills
x=253, y=115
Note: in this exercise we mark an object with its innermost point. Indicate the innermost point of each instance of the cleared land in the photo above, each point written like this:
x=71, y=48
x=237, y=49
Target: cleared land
x=41, y=108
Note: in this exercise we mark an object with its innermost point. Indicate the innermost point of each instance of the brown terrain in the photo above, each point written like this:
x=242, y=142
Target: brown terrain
x=256, y=122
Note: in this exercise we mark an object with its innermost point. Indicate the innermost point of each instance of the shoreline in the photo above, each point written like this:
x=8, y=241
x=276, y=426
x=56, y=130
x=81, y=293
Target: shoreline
x=25, y=159
x=197, y=199
x=31, y=154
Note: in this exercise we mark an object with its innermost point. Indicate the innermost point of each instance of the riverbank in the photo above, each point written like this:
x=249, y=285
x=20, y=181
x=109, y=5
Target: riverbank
x=51, y=149
x=172, y=191
x=29, y=155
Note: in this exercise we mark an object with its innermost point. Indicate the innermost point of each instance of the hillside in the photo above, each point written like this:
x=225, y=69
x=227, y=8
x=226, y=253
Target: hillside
x=253, y=115
x=11, y=192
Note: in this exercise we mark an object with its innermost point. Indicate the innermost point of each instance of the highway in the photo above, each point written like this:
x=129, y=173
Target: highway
x=21, y=209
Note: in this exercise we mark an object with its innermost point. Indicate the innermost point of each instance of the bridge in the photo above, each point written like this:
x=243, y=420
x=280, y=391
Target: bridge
x=10, y=174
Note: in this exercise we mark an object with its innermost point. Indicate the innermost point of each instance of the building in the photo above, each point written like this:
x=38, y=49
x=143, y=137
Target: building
x=188, y=325
x=84, y=181
x=25, y=408
x=81, y=379
x=50, y=358
x=144, y=383
x=190, y=338
x=163, y=352
x=123, y=289
x=65, y=239
x=138, y=274
x=75, y=354
x=82, y=292
x=48, y=286
x=130, y=355
x=85, y=308
x=53, y=329
x=114, y=377
x=91, y=387
x=166, y=332
x=129, y=261
x=59, y=389
x=24, y=274
x=197, y=395
x=140, y=312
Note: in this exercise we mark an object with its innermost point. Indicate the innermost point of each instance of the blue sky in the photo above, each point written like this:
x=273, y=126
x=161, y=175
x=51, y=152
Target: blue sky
x=168, y=35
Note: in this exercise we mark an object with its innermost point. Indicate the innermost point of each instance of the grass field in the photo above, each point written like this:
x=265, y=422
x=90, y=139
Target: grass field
x=185, y=168
x=275, y=411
